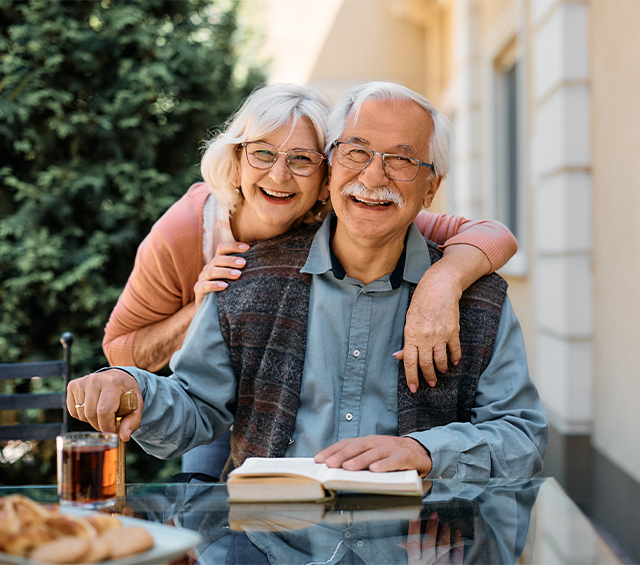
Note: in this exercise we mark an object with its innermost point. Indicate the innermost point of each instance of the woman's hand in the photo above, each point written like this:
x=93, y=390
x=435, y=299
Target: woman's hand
x=95, y=398
x=433, y=318
x=222, y=266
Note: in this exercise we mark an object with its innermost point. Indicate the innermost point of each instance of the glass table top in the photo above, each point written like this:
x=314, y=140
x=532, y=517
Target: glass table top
x=494, y=521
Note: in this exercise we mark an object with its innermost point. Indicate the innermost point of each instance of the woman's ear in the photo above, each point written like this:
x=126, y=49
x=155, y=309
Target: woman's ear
x=236, y=178
x=324, y=189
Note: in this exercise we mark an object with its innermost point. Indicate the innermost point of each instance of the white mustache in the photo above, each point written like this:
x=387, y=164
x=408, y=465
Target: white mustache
x=382, y=193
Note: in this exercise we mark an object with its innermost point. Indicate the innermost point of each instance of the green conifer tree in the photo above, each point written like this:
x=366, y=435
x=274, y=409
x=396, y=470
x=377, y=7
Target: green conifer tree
x=103, y=106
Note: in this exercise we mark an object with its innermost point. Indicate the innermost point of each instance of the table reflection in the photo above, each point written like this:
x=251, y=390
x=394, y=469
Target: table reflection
x=455, y=523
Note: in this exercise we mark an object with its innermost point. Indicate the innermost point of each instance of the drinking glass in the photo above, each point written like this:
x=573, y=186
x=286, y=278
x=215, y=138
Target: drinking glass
x=87, y=469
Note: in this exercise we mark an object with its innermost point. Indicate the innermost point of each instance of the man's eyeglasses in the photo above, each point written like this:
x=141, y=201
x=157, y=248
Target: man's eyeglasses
x=396, y=167
x=299, y=161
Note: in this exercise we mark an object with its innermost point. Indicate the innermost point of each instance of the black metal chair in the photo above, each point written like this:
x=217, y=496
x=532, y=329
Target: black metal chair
x=29, y=401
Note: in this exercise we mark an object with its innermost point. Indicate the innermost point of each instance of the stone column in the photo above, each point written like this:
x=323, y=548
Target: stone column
x=561, y=180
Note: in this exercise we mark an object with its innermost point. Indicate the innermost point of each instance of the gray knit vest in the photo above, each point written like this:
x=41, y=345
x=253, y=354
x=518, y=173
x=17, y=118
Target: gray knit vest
x=263, y=317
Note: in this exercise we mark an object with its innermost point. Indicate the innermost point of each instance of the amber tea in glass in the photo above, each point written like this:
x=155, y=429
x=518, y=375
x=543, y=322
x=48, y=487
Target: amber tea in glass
x=87, y=469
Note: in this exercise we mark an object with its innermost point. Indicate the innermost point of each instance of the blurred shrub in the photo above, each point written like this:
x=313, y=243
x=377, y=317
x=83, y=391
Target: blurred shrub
x=102, y=109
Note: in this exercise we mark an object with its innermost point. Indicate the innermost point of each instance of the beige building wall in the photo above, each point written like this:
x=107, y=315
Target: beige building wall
x=615, y=116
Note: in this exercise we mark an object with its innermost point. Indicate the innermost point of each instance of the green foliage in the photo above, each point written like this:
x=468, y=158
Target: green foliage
x=103, y=106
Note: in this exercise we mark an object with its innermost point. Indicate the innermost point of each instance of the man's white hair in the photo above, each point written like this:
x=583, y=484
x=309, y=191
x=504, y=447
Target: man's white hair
x=350, y=104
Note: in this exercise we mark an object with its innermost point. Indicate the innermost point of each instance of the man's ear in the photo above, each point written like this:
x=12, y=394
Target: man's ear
x=434, y=185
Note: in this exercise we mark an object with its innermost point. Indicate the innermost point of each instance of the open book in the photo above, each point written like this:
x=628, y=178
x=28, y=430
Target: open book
x=262, y=479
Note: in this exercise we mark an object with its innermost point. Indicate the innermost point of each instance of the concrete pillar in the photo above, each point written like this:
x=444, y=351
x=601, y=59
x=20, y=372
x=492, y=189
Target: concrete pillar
x=561, y=180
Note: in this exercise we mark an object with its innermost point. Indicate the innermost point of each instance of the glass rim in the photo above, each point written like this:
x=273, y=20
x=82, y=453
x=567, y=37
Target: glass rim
x=88, y=438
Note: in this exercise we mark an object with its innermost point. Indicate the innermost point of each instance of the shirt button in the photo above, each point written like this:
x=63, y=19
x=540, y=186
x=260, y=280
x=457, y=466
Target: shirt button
x=348, y=417
x=347, y=535
x=360, y=543
x=356, y=353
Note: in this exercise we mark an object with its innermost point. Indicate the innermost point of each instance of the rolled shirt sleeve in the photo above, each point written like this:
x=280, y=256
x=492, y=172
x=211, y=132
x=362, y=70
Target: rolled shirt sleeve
x=508, y=432
x=193, y=406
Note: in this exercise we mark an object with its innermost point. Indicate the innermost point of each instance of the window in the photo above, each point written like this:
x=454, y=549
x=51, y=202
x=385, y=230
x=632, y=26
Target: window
x=509, y=179
x=507, y=162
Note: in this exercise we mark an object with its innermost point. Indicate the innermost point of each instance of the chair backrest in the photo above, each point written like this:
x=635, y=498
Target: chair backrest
x=29, y=401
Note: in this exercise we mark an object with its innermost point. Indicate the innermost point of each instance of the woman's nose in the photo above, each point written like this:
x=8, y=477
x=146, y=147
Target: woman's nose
x=279, y=171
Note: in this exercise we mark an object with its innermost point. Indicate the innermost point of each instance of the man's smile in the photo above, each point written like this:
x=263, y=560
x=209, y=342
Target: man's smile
x=382, y=196
x=371, y=203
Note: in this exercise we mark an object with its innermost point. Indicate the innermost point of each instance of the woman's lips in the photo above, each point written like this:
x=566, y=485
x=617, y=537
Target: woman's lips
x=277, y=195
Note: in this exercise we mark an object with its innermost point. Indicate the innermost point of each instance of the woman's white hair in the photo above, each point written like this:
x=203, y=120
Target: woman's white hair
x=351, y=102
x=262, y=113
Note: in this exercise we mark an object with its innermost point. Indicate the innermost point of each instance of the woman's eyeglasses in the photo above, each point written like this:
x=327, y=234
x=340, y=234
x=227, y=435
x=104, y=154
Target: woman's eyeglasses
x=300, y=162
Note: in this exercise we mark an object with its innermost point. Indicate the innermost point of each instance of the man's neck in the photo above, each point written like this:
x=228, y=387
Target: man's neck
x=364, y=259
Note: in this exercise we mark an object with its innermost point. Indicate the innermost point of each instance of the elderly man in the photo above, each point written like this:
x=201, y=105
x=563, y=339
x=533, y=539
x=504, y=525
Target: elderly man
x=298, y=354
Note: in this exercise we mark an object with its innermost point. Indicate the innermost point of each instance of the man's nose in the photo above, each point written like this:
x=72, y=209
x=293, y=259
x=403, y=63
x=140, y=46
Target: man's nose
x=279, y=172
x=374, y=174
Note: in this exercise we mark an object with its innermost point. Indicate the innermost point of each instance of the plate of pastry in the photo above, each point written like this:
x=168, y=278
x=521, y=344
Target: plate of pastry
x=32, y=534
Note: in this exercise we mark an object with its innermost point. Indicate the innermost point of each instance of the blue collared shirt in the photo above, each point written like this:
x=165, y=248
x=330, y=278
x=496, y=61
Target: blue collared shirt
x=350, y=378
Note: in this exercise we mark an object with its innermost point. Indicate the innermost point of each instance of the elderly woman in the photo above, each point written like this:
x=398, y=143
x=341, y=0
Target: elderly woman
x=264, y=174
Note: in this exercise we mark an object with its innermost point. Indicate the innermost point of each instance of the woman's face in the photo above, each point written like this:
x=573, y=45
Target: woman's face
x=275, y=198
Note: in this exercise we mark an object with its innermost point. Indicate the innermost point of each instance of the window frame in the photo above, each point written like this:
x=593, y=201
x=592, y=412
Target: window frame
x=508, y=48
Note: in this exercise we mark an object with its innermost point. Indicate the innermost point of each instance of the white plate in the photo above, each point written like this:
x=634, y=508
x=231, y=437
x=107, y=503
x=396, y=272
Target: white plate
x=169, y=542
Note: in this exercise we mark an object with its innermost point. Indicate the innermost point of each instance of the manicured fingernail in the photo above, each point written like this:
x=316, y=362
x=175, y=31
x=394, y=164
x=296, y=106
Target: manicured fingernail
x=397, y=353
x=431, y=383
x=456, y=362
x=413, y=388
x=243, y=247
x=239, y=261
x=222, y=285
x=235, y=272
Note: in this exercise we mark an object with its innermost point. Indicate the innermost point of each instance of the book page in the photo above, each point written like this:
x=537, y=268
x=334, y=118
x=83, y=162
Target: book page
x=303, y=466
x=393, y=477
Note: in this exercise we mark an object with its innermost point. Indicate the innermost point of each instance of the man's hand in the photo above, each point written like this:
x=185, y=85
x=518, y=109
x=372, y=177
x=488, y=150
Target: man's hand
x=98, y=396
x=378, y=454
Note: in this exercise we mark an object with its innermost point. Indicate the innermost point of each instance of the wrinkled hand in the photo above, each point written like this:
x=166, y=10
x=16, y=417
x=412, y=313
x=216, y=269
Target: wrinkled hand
x=222, y=266
x=100, y=393
x=378, y=454
x=432, y=325
x=434, y=548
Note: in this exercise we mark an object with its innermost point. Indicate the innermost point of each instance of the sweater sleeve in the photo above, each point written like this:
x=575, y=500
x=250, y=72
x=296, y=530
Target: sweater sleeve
x=166, y=268
x=492, y=237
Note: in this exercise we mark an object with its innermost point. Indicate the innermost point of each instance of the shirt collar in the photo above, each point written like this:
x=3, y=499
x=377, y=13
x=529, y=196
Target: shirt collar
x=413, y=262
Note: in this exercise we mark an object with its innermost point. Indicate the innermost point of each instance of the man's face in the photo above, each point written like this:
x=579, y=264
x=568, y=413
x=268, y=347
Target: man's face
x=397, y=127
